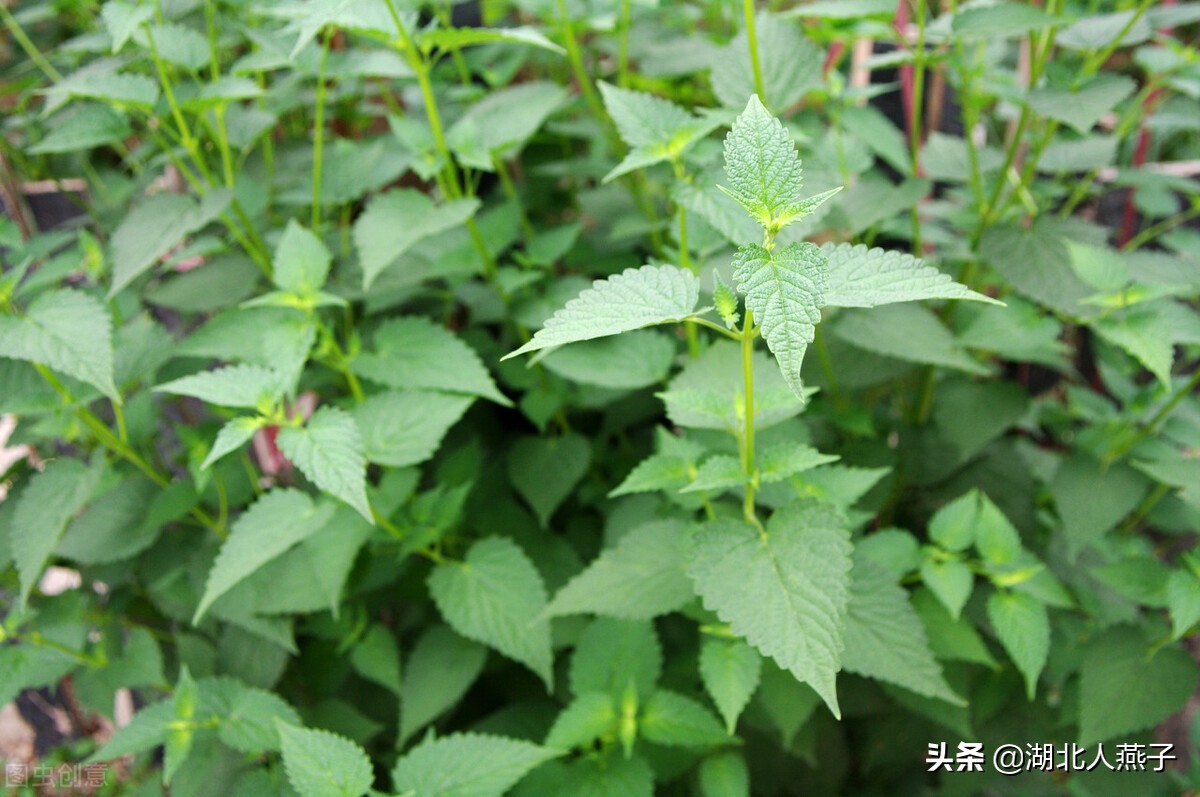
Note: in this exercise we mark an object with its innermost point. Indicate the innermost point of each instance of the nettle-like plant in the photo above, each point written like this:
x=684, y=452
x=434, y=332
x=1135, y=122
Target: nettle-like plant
x=790, y=587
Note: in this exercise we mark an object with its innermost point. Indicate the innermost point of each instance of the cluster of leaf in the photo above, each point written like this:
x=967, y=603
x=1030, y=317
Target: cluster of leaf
x=339, y=540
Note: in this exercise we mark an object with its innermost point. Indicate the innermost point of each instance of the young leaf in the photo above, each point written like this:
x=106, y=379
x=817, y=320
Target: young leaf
x=248, y=386
x=718, y=474
x=724, y=774
x=860, y=277
x=150, y=230
x=726, y=301
x=496, y=596
x=785, y=290
x=730, y=669
x=951, y=581
x=885, y=638
x=784, y=460
x=657, y=130
x=467, y=765
x=394, y=222
x=784, y=590
x=634, y=299
x=272, y=525
x=439, y=672
x=587, y=718
x=322, y=764
x=613, y=654
x=673, y=719
x=301, y=263
x=329, y=451
x=50, y=499
x=417, y=354
x=639, y=578
x=232, y=436
x=622, y=362
x=1023, y=627
x=405, y=427
x=762, y=166
x=66, y=330
x=180, y=734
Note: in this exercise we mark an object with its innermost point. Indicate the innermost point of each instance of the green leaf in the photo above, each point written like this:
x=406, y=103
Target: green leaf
x=884, y=637
x=726, y=301
x=85, y=127
x=394, y=222
x=1001, y=19
x=730, y=669
x=784, y=590
x=623, y=362
x=119, y=523
x=1037, y=263
x=377, y=658
x=1147, y=332
x=417, y=354
x=1127, y=686
x=1081, y=108
x=545, y=470
x=634, y=299
x=152, y=228
x=673, y=719
x=1092, y=498
x=785, y=459
x=860, y=277
x=657, y=130
x=47, y=503
x=457, y=38
x=790, y=62
x=906, y=332
x=248, y=386
x=68, y=331
x=1023, y=628
x=763, y=167
x=639, y=578
x=322, y=764
x=441, y=669
x=951, y=581
x=496, y=596
x=498, y=126
x=588, y=717
x=101, y=81
x=785, y=290
x=232, y=436
x=467, y=765
x=669, y=469
x=180, y=733
x=950, y=638
x=724, y=774
x=273, y=524
x=613, y=654
x=121, y=19
x=301, y=263
x=329, y=451
x=1183, y=600
x=718, y=474
x=953, y=526
x=405, y=427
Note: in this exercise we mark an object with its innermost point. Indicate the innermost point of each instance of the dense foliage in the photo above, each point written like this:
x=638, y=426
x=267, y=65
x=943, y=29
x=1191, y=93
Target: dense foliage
x=265, y=389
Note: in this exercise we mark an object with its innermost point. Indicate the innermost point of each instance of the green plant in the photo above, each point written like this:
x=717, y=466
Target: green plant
x=262, y=394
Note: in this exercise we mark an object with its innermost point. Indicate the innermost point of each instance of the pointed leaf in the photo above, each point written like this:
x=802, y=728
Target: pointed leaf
x=730, y=669
x=322, y=764
x=544, y=471
x=1023, y=627
x=762, y=164
x=405, y=427
x=232, y=436
x=329, y=451
x=439, y=672
x=151, y=229
x=393, y=222
x=862, y=277
x=587, y=718
x=673, y=719
x=65, y=330
x=248, y=386
x=301, y=263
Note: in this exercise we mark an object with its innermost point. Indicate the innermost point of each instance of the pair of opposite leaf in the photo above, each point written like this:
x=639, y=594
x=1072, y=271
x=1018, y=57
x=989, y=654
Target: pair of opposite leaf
x=785, y=289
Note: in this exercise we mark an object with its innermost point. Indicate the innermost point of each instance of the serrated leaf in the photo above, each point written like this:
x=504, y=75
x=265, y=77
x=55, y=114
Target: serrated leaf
x=630, y=300
x=951, y=581
x=322, y=764
x=784, y=590
x=1146, y=332
x=953, y=526
x=301, y=263
x=1183, y=600
x=785, y=290
x=68, y=331
x=676, y=720
x=248, y=386
x=441, y=669
x=152, y=228
x=47, y=503
x=950, y=638
x=730, y=669
x=718, y=474
x=405, y=427
x=121, y=19
x=84, y=127
x=613, y=654
x=884, y=637
x=499, y=124
x=762, y=165
x=232, y=436
x=394, y=222
x=273, y=524
x=1081, y=108
x=622, y=362
x=545, y=470
x=656, y=129
x=725, y=300
x=588, y=717
x=1126, y=686
x=417, y=354
x=784, y=460
x=329, y=451
x=467, y=765
x=180, y=733
x=640, y=577
x=860, y=277
x=907, y=332
x=496, y=596
x=790, y=62
x=1023, y=628
x=662, y=471
x=457, y=38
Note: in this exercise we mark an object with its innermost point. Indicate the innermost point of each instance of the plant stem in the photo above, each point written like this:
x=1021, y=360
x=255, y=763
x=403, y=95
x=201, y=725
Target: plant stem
x=623, y=44
x=916, y=113
x=1165, y=225
x=747, y=447
x=575, y=57
x=1160, y=416
x=31, y=50
x=752, y=41
x=319, y=132
x=510, y=191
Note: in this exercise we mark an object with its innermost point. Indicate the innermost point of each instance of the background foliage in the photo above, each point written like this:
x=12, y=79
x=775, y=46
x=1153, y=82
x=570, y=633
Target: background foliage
x=335, y=543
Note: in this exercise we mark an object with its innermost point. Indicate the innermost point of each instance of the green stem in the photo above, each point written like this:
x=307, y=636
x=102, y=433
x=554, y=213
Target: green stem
x=37, y=638
x=624, y=26
x=704, y=322
x=319, y=132
x=575, y=58
x=914, y=128
x=31, y=50
x=510, y=191
x=1160, y=416
x=747, y=446
x=1166, y=225
x=752, y=40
